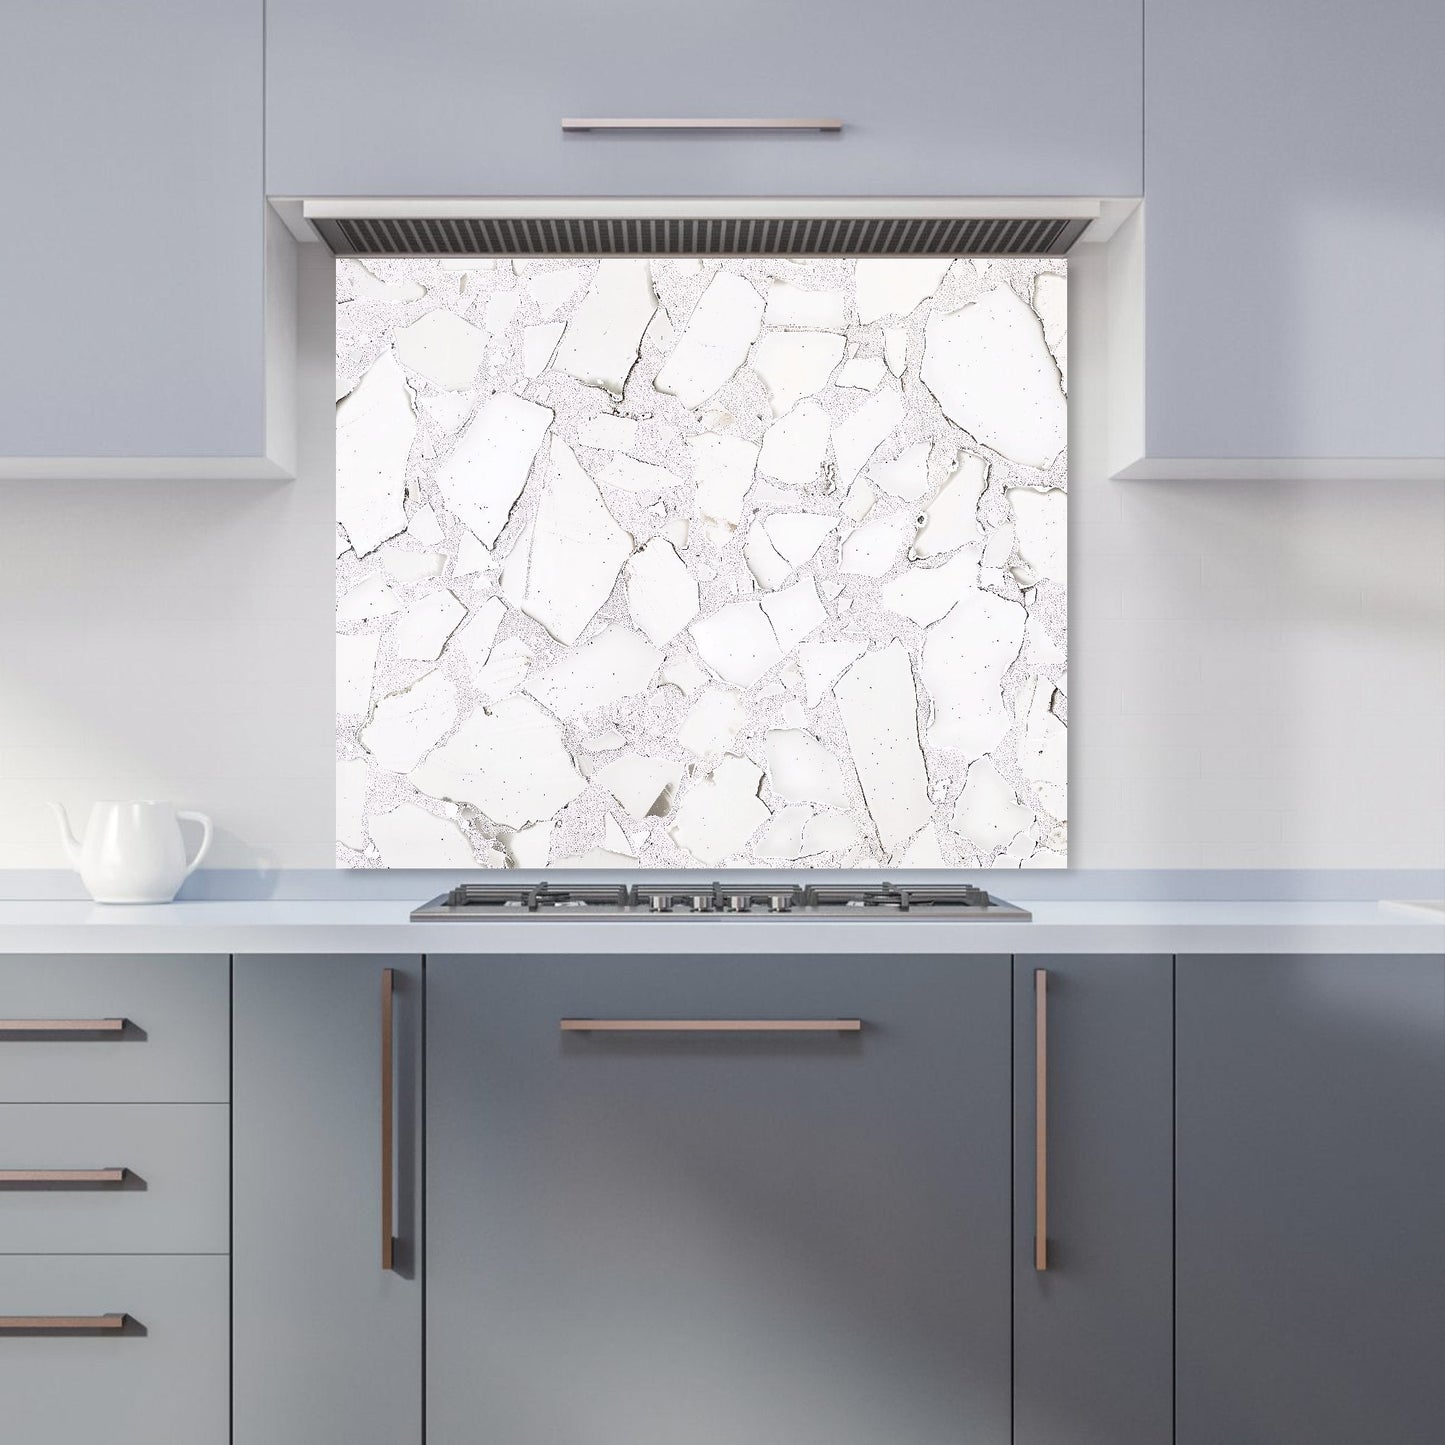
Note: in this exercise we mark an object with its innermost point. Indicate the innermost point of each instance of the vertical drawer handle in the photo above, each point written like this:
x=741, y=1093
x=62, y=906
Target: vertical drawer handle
x=388, y=1119
x=1041, y=1118
x=69, y=1324
x=63, y=1176
x=81, y=1028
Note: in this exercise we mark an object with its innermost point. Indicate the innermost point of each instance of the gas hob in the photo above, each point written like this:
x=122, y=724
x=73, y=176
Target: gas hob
x=470, y=902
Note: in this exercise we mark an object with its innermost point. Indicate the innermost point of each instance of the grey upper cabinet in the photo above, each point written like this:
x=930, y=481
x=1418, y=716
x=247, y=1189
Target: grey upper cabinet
x=327, y=1342
x=147, y=304
x=1311, y=1189
x=1294, y=241
x=636, y=1238
x=941, y=97
x=1093, y=1355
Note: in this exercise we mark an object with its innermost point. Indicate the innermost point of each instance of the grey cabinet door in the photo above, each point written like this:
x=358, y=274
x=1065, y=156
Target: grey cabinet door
x=327, y=1344
x=1282, y=192
x=1310, y=1193
x=943, y=97
x=133, y=294
x=1093, y=1356
x=636, y=1239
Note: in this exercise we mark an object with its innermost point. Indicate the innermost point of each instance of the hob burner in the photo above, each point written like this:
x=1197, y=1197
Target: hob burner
x=666, y=898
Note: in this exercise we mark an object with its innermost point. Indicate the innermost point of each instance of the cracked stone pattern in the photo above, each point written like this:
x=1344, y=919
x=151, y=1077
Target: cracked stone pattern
x=682, y=563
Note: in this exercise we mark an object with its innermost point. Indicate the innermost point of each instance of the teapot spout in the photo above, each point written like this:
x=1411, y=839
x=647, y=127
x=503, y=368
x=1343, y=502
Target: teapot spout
x=68, y=840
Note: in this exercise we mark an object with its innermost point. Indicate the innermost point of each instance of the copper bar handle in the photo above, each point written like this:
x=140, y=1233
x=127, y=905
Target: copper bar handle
x=1041, y=1119
x=86, y=1028
x=62, y=1176
x=388, y=1119
x=75, y=1323
x=711, y=1026
x=703, y=124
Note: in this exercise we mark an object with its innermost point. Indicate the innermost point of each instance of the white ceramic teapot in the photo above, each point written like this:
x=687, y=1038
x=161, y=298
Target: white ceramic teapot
x=133, y=852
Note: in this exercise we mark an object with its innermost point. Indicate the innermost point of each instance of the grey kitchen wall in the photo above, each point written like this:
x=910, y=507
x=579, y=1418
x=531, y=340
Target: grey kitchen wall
x=1258, y=674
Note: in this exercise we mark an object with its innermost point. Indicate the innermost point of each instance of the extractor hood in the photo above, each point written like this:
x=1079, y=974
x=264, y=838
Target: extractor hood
x=701, y=227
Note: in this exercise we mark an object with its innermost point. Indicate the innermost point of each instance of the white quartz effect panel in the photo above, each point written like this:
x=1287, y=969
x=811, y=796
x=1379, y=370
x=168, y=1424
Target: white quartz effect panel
x=795, y=364
x=509, y=761
x=795, y=447
x=442, y=348
x=993, y=374
x=410, y=837
x=568, y=560
x=887, y=287
x=484, y=475
x=701, y=563
x=375, y=425
x=879, y=702
x=966, y=655
x=424, y=629
x=615, y=664
x=600, y=344
x=355, y=667
x=661, y=593
x=715, y=343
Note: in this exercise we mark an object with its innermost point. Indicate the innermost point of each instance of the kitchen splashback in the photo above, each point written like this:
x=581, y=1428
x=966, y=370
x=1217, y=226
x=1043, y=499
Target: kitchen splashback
x=749, y=562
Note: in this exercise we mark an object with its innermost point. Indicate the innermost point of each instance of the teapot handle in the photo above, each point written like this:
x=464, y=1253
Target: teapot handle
x=201, y=852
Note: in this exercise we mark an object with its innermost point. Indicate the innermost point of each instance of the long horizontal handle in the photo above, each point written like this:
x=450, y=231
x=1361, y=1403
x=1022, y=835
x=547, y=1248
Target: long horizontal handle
x=701, y=123
x=86, y=1027
x=76, y=1323
x=62, y=1176
x=711, y=1026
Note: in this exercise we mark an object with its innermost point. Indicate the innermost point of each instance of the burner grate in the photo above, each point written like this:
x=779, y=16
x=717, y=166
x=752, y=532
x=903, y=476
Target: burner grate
x=889, y=897
x=668, y=898
x=535, y=896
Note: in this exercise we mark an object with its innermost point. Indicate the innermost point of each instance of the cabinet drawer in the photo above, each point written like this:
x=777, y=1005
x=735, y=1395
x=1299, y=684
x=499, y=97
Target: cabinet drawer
x=171, y=1198
x=163, y=1377
x=942, y=97
x=173, y=1046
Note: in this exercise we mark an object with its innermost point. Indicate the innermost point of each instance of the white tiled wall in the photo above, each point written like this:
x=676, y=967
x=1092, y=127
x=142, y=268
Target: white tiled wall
x=1258, y=670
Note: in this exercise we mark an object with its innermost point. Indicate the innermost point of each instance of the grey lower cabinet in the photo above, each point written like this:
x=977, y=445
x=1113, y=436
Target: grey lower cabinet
x=326, y=1340
x=637, y=1236
x=1311, y=1191
x=114, y=1195
x=1093, y=1357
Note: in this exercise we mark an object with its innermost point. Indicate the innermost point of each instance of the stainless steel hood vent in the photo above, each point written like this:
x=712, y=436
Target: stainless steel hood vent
x=837, y=235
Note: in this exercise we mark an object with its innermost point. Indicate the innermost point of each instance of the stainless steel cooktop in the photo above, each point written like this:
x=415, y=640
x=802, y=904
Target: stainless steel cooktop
x=663, y=899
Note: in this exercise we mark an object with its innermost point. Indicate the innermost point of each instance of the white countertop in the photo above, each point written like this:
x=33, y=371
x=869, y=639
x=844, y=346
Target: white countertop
x=382, y=927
